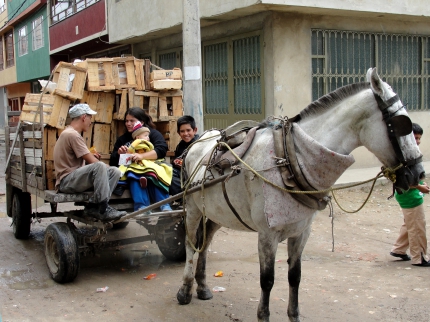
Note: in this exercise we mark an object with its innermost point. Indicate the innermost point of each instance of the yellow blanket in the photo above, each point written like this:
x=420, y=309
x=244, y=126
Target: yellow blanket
x=163, y=171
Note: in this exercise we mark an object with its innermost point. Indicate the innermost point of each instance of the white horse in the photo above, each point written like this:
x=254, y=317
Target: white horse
x=331, y=129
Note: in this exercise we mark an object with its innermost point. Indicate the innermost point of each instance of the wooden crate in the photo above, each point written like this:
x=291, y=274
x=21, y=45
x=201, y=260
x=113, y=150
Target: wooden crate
x=174, y=73
x=102, y=103
x=124, y=74
x=100, y=77
x=55, y=109
x=50, y=175
x=74, y=89
x=101, y=137
x=170, y=105
x=122, y=104
x=166, y=84
x=49, y=140
x=139, y=67
x=170, y=134
x=150, y=102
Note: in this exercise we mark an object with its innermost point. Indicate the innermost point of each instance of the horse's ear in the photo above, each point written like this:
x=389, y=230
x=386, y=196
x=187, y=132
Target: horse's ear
x=375, y=82
x=368, y=74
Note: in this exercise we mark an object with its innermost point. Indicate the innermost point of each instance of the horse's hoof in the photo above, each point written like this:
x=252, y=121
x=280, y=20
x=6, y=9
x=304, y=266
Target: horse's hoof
x=183, y=298
x=205, y=294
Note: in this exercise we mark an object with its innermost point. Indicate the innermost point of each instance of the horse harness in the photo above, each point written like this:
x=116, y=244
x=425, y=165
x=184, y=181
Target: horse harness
x=240, y=135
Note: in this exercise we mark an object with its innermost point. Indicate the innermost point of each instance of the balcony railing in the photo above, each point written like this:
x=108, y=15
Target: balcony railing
x=63, y=9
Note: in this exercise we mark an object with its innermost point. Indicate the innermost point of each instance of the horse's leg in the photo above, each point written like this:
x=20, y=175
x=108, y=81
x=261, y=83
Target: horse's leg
x=203, y=291
x=267, y=246
x=295, y=249
x=184, y=294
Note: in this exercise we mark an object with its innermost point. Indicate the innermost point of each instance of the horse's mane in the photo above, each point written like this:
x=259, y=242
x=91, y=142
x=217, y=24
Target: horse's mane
x=323, y=103
x=331, y=99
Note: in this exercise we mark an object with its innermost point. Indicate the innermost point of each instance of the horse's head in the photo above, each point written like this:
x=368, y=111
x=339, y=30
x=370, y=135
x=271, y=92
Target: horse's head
x=397, y=146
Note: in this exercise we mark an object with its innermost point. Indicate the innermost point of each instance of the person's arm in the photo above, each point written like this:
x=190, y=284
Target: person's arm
x=90, y=158
x=424, y=188
x=117, y=149
x=160, y=145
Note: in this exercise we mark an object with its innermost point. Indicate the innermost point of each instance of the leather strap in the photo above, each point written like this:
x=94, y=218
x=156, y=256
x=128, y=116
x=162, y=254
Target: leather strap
x=224, y=191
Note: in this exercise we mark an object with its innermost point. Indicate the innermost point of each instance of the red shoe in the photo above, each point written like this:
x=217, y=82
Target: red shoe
x=143, y=182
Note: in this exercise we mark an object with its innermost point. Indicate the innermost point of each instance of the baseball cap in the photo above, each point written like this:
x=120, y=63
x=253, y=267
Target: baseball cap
x=80, y=109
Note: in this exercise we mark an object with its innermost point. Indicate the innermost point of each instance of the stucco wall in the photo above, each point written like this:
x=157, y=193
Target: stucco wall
x=292, y=57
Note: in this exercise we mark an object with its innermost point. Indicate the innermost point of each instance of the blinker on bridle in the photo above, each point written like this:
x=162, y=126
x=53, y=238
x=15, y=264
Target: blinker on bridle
x=397, y=125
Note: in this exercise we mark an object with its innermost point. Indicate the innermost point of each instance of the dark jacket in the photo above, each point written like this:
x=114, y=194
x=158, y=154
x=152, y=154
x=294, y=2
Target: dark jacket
x=181, y=147
x=156, y=138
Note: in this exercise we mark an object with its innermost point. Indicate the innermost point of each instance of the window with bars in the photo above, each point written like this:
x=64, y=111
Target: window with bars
x=22, y=41
x=1, y=54
x=10, y=60
x=38, y=33
x=232, y=78
x=170, y=59
x=343, y=57
x=61, y=9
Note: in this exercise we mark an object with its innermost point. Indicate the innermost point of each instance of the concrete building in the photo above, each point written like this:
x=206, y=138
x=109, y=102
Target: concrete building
x=273, y=57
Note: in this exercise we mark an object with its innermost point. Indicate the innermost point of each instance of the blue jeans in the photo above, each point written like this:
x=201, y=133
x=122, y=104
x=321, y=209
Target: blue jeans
x=142, y=197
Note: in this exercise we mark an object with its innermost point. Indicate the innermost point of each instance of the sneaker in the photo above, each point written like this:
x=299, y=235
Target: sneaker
x=143, y=182
x=111, y=214
x=92, y=210
x=404, y=257
x=142, y=215
x=165, y=207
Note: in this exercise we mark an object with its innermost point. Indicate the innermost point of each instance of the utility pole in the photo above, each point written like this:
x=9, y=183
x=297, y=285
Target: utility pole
x=192, y=60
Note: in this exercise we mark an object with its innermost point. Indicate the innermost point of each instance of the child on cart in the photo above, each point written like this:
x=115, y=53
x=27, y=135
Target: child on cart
x=157, y=171
x=187, y=130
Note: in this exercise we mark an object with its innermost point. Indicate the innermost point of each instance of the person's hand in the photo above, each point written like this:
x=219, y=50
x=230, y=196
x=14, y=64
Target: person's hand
x=137, y=157
x=122, y=150
x=424, y=188
x=97, y=155
x=178, y=162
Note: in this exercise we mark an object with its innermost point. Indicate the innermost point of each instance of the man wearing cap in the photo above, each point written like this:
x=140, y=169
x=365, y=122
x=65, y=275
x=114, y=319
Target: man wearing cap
x=78, y=170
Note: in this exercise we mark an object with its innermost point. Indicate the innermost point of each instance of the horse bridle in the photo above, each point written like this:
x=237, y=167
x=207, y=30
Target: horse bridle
x=397, y=125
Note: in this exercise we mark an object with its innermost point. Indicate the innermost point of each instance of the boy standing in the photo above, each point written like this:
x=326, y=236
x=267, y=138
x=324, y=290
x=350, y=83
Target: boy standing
x=413, y=231
x=187, y=130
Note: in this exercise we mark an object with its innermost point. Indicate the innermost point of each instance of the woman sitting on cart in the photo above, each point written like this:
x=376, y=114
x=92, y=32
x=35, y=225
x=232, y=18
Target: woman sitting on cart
x=142, y=197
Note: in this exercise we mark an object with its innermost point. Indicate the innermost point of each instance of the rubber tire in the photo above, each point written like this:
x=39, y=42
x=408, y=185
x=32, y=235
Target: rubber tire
x=21, y=214
x=173, y=248
x=61, y=252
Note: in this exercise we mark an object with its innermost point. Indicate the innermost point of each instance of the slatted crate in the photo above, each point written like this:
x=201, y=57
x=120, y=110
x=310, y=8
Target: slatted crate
x=101, y=102
x=100, y=77
x=54, y=109
x=70, y=80
x=169, y=131
x=170, y=105
x=124, y=73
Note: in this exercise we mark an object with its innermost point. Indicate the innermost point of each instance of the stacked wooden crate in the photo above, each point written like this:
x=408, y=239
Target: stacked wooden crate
x=110, y=86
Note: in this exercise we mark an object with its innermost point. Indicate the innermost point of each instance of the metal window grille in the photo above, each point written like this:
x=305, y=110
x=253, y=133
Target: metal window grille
x=343, y=57
x=38, y=33
x=170, y=59
x=216, y=79
x=22, y=41
x=61, y=9
x=232, y=80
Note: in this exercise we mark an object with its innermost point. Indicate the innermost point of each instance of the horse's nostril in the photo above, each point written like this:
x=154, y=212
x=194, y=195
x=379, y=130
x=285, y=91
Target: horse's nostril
x=423, y=175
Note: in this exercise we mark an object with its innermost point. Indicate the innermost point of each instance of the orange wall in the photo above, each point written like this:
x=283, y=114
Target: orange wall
x=18, y=90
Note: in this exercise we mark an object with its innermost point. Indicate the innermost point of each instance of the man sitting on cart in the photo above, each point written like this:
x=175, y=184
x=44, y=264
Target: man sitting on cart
x=78, y=170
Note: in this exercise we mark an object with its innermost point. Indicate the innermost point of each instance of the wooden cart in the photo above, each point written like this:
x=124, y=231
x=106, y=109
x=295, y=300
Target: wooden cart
x=64, y=241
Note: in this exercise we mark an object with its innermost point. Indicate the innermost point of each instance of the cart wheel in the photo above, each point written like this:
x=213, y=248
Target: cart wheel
x=172, y=244
x=21, y=214
x=61, y=252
